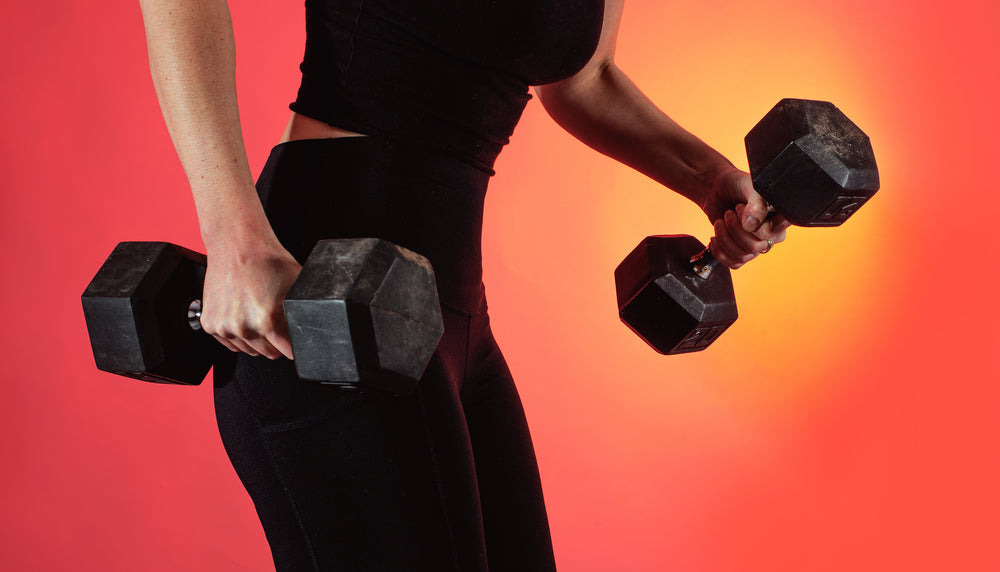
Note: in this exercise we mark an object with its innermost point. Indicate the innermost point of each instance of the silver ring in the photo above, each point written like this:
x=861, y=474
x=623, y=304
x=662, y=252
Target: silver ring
x=769, y=245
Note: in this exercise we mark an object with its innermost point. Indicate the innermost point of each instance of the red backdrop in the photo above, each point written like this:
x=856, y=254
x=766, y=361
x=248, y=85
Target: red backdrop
x=850, y=420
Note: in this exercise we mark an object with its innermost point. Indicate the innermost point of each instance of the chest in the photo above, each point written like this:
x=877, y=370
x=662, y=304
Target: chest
x=538, y=40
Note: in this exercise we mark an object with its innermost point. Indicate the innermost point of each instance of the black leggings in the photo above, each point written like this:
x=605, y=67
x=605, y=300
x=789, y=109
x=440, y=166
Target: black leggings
x=444, y=479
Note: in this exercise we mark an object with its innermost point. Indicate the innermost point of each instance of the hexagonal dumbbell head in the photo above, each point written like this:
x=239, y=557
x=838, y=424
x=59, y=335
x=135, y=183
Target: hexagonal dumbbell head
x=811, y=163
x=136, y=309
x=669, y=306
x=364, y=312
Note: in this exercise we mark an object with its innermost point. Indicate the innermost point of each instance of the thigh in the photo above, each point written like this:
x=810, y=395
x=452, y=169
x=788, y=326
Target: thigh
x=514, y=517
x=356, y=480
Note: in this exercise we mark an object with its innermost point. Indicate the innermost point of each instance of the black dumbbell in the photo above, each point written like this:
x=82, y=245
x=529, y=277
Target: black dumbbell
x=812, y=165
x=362, y=313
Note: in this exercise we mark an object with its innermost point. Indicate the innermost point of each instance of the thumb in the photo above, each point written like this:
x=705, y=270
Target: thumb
x=755, y=212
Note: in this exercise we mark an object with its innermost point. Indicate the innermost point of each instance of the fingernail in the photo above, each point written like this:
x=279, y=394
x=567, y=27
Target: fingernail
x=750, y=222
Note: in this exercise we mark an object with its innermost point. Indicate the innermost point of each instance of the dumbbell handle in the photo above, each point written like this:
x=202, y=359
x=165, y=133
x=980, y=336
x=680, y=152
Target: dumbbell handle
x=702, y=263
x=194, y=315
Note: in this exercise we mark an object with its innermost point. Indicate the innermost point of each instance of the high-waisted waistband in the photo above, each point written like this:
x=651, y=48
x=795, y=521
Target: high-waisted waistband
x=353, y=187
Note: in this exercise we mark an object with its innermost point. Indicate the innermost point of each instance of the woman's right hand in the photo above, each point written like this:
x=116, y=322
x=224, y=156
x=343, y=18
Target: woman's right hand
x=245, y=287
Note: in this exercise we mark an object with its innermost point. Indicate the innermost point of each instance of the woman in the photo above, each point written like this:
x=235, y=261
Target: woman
x=401, y=112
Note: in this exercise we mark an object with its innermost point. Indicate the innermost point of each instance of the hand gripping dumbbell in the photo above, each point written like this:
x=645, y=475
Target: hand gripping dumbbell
x=812, y=165
x=362, y=313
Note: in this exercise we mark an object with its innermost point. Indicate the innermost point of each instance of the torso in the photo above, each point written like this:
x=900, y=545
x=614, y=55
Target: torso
x=447, y=75
x=302, y=127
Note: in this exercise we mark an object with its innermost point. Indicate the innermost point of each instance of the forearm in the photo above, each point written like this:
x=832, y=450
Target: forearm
x=605, y=110
x=192, y=61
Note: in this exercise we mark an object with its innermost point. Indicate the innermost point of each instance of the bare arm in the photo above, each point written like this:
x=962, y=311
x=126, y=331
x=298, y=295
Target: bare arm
x=192, y=59
x=604, y=109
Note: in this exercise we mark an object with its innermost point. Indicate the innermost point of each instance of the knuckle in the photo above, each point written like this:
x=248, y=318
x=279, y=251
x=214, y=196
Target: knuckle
x=249, y=327
x=725, y=259
x=267, y=323
x=225, y=343
x=209, y=328
x=208, y=324
x=226, y=332
x=235, y=331
x=245, y=332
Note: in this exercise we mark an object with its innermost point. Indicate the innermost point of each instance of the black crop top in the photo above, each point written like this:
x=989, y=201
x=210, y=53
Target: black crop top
x=446, y=74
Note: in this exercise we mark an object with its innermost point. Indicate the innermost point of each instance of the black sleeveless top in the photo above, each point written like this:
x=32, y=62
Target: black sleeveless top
x=451, y=75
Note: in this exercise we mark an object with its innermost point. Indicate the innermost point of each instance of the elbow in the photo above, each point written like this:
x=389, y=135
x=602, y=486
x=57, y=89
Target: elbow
x=555, y=101
x=562, y=96
x=548, y=95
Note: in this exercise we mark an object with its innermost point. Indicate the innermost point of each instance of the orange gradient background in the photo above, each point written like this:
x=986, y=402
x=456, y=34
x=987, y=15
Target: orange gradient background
x=850, y=420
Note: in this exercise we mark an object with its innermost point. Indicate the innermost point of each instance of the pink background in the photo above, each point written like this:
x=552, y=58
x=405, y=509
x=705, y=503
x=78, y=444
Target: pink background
x=850, y=420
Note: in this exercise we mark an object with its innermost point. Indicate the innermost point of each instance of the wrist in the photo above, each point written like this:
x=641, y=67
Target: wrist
x=711, y=184
x=240, y=230
x=726, y=188
x=242, y=243
x=229, y=213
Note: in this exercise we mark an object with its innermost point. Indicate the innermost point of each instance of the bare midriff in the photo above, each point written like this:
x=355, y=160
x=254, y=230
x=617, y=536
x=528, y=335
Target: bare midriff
x=302, y=127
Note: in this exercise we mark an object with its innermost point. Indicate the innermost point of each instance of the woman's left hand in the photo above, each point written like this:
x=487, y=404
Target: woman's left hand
x=743, y=226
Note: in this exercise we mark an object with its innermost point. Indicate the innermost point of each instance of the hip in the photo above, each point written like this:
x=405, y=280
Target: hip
x=352, y=187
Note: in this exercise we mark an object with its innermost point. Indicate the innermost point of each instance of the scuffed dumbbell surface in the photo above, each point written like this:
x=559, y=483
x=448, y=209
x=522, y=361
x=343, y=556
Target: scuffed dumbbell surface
x=364, y=312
